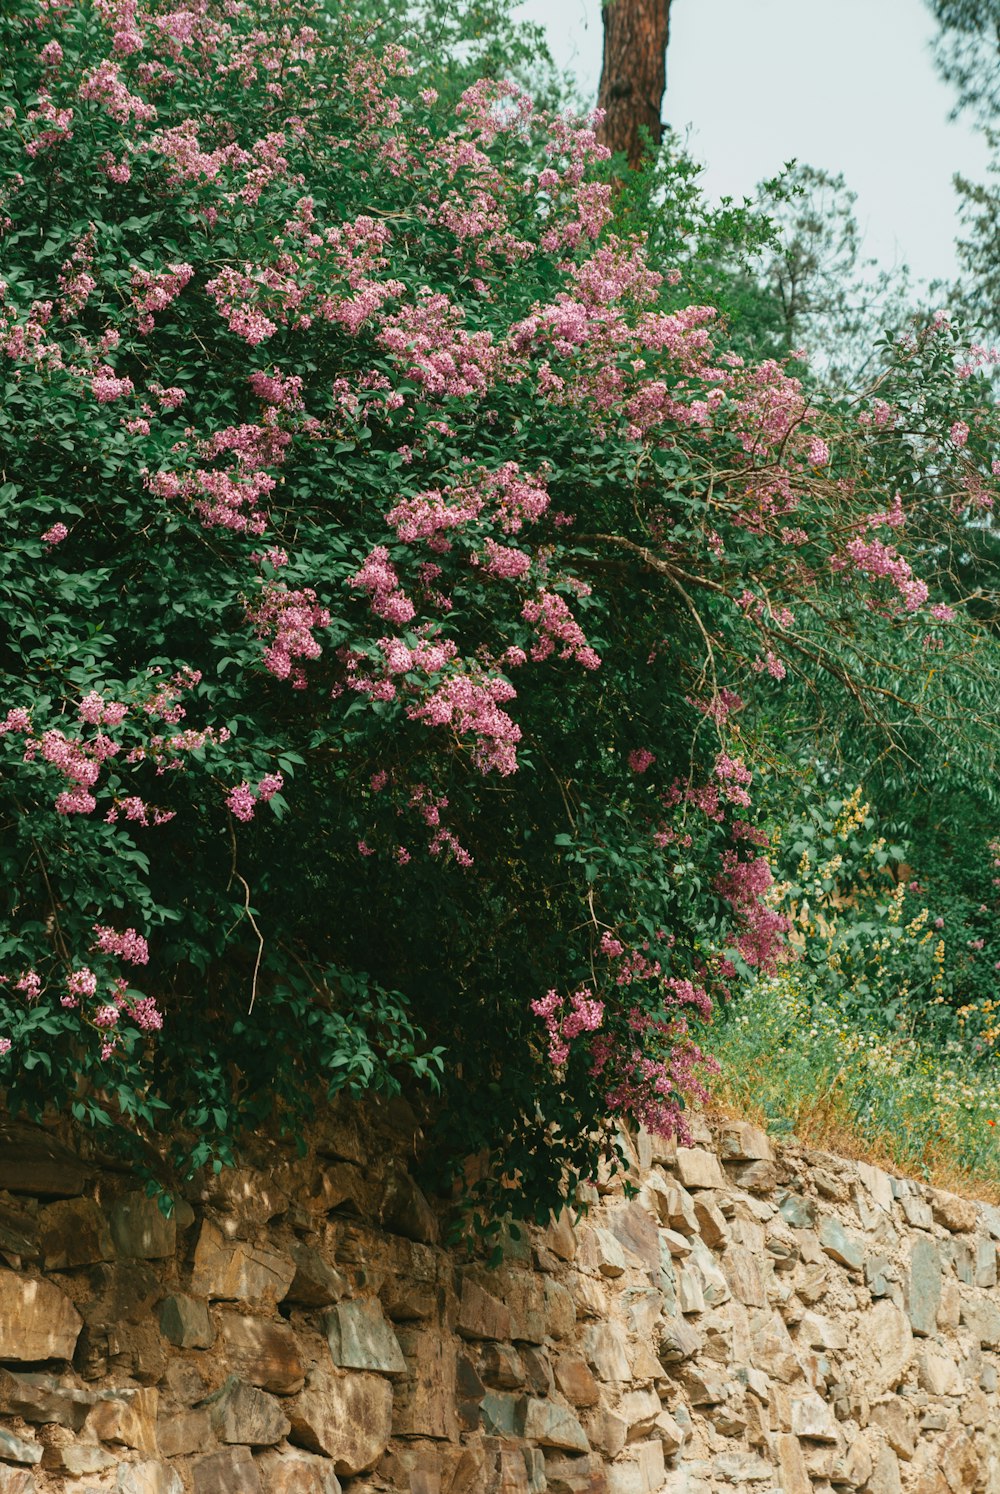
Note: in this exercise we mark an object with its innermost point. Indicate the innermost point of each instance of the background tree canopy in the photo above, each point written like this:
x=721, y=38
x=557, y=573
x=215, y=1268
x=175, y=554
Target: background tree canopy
x=421, y=610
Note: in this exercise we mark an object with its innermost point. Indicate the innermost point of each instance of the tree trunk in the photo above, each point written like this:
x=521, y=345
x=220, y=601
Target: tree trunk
x=633, y=74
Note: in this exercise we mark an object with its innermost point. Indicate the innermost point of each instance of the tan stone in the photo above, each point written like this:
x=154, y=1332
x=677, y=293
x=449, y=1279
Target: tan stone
x=741, y=1142
x=480, y=1314
x=711, y=1221
x=425, y=1399
x=959, y=1461
x=73, y=1232
x=641, y=1470
x=126, y=1417
x=295, y=1472
x=744, y=1275
x=560, y=1313
x=560, y=1235
x=141, y=1230
x=938, y=1373
x=184, y=1432
x=232, y=1471
x=262, y=1352
x=575, y=1380
x=887, y=1340
x=603, y=1345
x=878, y=1183
x=241, y=1413
x=813, y=1418
x=794, y=1474
x=885, y=1473
x=697, y=1168
x=346, y=1417
x=899, y=1425
x=37, y=1320
x=959, y=1215
x=234, y=1271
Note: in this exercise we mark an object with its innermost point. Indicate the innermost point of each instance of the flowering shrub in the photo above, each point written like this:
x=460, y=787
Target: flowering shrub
x=402, y=575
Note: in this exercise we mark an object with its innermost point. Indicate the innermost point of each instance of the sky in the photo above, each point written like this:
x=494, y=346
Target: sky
x=847, y=85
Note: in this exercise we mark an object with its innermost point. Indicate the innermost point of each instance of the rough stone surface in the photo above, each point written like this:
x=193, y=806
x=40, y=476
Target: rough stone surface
x=184, y=1321
x=756, y=1319
x=346, y=1417
x=262, y=1352
x=37, y=1320
x=141, y=1230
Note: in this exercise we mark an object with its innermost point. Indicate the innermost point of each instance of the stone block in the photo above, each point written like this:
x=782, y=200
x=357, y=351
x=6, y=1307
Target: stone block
x=878, y=1184
x=886, y=1339
x=241, y=1413
x=502, y=1367
x=797, y=1211
x=153, y=1478
x=73, y=1232
x=348, y=1418
x=603, y=1345
x=232, y=1471
x=639, y=1410
x=744, y=1276
x=406, y=1211
x=126, y=1418
x=549, y=1424
x=924, y=1285
x=710, y=1221
x=37, y=1320
x=885, y=1473
x=634, y=1227
x=33, y=1162
x=141, y=1230
x=959, y=1215
x=480, y=1314
x=898, y=1423
x=41, y=1399
x=839, y=1245
x=295, y=1472
x=813, y=1418
x=982, y=1317
x=425, y=1400
x=794, y=1474
x=916, y=1211
x=640, y=1471
x=697, y=1168
x=184, y=1432
x=986, y=1264
x=560, y=1311
x=77, y=1459
x=262, y=1352
x=234, y=1271
x=184, y=1322
x=315, y=1283
x=741, y=1142
x=14, y=1449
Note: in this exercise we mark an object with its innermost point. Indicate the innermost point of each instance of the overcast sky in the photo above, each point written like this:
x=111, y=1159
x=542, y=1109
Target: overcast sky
x=843, y=84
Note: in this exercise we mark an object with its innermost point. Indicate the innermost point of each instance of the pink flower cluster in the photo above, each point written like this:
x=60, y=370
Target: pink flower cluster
x=472, y=706
x=557, y=627
x=153, y=292
x=378, y=578
x=585, y=1014
x=241, y=801
x=873, y=558
x=288, y=619
x=744, y=884
x=128, y=946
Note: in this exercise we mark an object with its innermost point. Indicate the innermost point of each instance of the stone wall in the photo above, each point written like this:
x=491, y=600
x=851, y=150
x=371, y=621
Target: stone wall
x=752, y=1320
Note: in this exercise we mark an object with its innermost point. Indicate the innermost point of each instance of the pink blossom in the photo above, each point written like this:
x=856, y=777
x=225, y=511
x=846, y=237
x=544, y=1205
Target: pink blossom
x=55, y=535
x=240, y=801
x=269, y=785
x=5, y=1046
x=128, y=946
x=640, y=758
x=959, y=433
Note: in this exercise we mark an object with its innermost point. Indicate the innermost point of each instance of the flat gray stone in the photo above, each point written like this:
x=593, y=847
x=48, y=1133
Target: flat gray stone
x=360, y=1338
x=184, y=1321
x=924, y=1287
x=841, y=1246
x=14, y=1449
